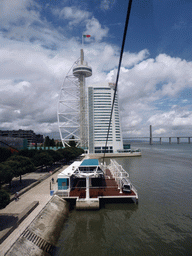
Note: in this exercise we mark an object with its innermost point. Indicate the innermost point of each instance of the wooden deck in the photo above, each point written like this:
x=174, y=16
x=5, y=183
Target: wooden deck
x=108, y=188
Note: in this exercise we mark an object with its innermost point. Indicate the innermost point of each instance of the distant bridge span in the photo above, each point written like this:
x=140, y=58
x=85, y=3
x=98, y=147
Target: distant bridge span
x=178, y=138
x=170, y=138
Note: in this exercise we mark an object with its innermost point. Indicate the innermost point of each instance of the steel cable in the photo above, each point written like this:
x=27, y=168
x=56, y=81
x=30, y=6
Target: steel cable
x=118, y=71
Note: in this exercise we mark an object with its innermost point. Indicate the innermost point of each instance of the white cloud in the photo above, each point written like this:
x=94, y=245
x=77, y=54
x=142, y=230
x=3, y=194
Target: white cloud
x=31, y=78
x=73, y=14
x=130, y=59
x=172, y=121
x=76, y=16
x=93, y=27
x=152, y=79
x=106, y=4
x=16, y=11
x=31, y=74
x=159, y=131
x=21, y=20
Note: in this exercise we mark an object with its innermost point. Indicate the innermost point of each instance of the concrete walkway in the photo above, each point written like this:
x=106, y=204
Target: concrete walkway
x=41, y=193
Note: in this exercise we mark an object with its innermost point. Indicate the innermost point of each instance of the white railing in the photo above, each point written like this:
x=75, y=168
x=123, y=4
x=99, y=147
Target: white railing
x=63, y=193
x=117, y=170
x=103, y=167
x=118, y=173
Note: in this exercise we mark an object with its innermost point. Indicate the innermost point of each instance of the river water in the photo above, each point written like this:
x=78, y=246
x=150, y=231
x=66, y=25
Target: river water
x=161, y=224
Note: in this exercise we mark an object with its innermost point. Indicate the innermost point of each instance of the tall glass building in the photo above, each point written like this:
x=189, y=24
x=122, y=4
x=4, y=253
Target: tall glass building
x=100, y=98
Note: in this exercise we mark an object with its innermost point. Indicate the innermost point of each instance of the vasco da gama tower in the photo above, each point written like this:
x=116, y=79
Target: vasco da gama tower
x=84, y=112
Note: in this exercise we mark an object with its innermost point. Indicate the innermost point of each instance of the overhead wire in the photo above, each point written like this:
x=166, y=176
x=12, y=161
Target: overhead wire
x=118, y=71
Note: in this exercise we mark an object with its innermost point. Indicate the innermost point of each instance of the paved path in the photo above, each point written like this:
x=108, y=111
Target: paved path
x=41, y=193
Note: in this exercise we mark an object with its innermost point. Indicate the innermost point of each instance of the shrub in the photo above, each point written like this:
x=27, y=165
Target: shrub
x=4, y=199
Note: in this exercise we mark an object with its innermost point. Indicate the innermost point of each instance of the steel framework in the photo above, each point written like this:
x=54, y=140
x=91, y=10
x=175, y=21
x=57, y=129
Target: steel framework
x=72, y=111
x=68, y=111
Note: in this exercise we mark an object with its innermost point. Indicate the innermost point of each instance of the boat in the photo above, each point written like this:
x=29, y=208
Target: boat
x=89, y=183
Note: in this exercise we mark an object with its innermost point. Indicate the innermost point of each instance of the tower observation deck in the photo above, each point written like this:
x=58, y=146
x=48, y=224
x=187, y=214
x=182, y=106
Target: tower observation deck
x=82, y=68
x=81, y=71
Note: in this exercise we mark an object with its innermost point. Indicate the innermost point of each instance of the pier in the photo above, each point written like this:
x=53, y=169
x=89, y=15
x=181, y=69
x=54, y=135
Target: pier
x=107, y=189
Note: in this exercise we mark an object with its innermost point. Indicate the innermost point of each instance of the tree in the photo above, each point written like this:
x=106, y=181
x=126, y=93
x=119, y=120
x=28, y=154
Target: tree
x=72, y=142
x=42, y=158
x=28, y=153
x=6, y=173
x=20, y=165
x=52, y=143
x=56, y=155
x=59, y=144
x=4, y=199
x=4, y=154
x=70, y=153
x=47, y=142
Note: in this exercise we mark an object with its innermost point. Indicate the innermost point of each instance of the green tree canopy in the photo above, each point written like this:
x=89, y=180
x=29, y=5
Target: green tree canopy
x=56, y=155
x=72, y=142
x=70, y=153
x=52, y=143
x=47, y=141
x=43, y=158
x=20, y=165
x=6, y=173
x=59, y=144
x=4, y=199
x=4, y=154
x=28, y=153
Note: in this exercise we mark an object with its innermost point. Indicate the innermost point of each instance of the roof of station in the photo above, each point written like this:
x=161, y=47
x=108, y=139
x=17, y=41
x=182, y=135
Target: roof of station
x=89, y=162
x=70, y=169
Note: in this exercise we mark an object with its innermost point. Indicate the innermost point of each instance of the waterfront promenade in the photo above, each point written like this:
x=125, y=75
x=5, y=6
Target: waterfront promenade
x=40, y=193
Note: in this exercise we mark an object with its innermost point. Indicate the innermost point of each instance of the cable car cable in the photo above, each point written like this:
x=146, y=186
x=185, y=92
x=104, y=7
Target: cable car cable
x=118, y=71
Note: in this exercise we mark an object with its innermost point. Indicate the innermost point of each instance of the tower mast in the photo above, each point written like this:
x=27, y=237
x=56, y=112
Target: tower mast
x=81, y=71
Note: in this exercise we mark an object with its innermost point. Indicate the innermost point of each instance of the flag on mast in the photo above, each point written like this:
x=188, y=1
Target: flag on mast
x=85, y=36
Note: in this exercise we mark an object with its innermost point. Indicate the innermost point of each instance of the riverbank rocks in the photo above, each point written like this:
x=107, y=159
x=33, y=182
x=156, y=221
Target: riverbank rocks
x=41, y=236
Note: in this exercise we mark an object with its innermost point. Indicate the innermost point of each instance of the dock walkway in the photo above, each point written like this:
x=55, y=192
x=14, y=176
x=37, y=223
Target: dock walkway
x=108, y=188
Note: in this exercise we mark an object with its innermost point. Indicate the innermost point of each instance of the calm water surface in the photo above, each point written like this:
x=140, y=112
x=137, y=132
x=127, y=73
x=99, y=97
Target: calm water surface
x=161, y=224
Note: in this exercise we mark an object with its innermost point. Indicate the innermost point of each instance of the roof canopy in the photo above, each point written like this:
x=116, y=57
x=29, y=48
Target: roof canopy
x=89, y=163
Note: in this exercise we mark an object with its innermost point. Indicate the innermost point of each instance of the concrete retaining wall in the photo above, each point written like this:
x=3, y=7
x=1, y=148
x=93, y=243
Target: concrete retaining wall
x=41, y=236
x=7, y=231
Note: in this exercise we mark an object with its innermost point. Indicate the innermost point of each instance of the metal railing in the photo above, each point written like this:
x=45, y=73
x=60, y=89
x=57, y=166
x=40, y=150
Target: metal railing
x=118, y=173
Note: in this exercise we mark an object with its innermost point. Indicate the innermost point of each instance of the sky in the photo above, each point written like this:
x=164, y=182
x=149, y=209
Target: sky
x=41, y=39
